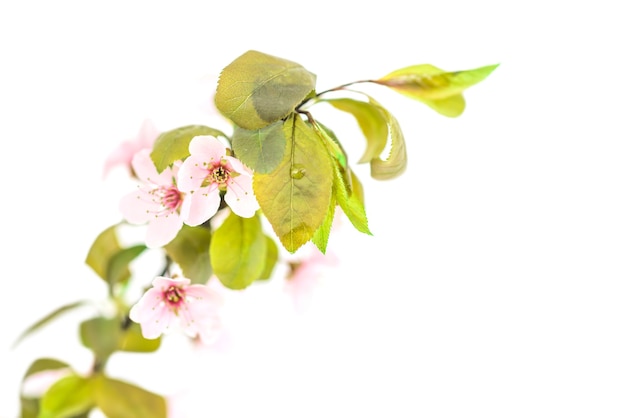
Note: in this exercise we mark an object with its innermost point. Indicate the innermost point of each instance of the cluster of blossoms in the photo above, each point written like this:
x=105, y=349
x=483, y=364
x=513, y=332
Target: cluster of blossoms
x=189, y=192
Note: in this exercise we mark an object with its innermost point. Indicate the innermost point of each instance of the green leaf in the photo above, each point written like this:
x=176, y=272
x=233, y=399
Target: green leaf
x=173, y=145
x=101, y=335
x=295, y=196
x=321, y=236
x=238, y=251
x=439, y=89
x=118, y=399
x=257, y=89
x=117, y=269
x=262, y=149
x=48, y=318
x=351, y=200
x=372, y=122
x=396, y=161
x=69, y=396
x=30, y=406
x=190, y=250
x=271, y=258
x=105, y=246
x=132, y=340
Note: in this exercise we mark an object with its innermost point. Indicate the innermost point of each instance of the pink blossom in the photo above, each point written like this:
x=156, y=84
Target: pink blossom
x=173, y=301
x=207, y=172
x=157, y=201
x=305, y=277
x=125, y=151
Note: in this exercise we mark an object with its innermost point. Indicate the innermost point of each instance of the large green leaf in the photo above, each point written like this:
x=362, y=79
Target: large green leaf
x=271, y=258
x=439, y=89
x=295, y=197
x=238, y=251
x=371, y=120
x=257, y=89
x=101, y=335
x=262, y=149
x=69, y=396
x=118, y=399
x=131, y=339
x=29, y=405
x=48, y=318
x=173, y=145
x=190, y=250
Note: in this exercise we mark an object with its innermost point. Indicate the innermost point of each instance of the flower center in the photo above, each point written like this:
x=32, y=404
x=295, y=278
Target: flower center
x=174, y=296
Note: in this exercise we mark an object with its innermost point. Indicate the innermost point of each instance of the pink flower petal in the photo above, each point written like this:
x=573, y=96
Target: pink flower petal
x=204, y=203
x=135, y=208
x=240, y=197
x=209, y=147
x=191, y=174
x=163, y=229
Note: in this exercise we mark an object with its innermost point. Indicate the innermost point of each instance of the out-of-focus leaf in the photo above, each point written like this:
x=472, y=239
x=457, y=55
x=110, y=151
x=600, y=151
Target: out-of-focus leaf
x=101, y=335
x=262, y=149
x=118, y=270
x=271, y=258
x=439, y=89
x=30, y=405
x=238, y=251
x=173, y=145
x=119, y=399
x=132, y=340
x=295, y=196
x=48, y=318
x=371, y=120
x=105, y=246
x=69, y=396
x=257, y=89
x=190, y=250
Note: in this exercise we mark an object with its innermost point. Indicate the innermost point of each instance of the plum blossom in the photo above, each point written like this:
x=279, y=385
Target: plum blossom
x=207, y=172
x=174, y=301
x=124, y=153
x=157, y=201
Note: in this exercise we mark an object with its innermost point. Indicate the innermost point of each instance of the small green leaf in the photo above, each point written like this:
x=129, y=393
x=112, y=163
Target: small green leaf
x=372, y=122
x=30, y=406
x=132, y=340
x=190, y=250
x=117, y=269
x=48, y=318
x=262, y=149
x=257, y=89
x=295, y=196
x=69, y=396
x=396, y=161
x=101, y=335
x=351, y=200
x=173, y=145
x=238, y=251
x=271, y=258
x=321, y=236
x=105, y=246
x=439, y=89
x=118, y=399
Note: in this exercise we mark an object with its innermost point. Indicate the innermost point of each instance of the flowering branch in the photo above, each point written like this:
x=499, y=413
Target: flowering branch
x=202, y=198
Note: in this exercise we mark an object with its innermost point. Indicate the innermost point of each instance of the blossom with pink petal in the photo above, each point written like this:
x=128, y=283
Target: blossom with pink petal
x=157, y=201
x=173, y=301
x=124, y=153
x=207, y=172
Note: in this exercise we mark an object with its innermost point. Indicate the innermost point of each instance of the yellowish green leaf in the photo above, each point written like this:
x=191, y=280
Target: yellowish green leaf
x=190, y=250
x=322, y=234
x=395, y=163
x=371, y=121
x=262, y=149
x=48, y=318
x=295, y=197
x=117, y=269
x=119, y=399
x=173, y=145
x=69, y=396
x=105, y=246
x=271, y=258
x=132, y=340
x=238, y=251
x=257, y=89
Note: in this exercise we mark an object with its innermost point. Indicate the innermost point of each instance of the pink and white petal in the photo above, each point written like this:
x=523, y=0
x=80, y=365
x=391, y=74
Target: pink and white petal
x=237, y=166
x=163, y=229
x=157, y=325
x=148, y=133
x=204, y=203
x=149, y=305
x=163, y=283
x=208, y=147
x=201, y=292
x=240, y=197
x=144, y=166
x=191, y=174
x=137, y=207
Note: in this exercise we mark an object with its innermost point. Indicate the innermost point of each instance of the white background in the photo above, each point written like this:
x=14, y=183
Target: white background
x=494, y=284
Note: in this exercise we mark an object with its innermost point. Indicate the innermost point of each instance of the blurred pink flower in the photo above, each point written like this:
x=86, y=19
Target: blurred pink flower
x=305, y=277
x=157, y=201
x=125, y=151
x=173, y=301
x=206, y=173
